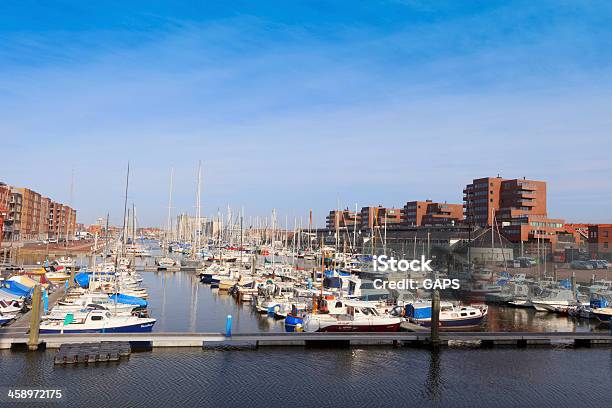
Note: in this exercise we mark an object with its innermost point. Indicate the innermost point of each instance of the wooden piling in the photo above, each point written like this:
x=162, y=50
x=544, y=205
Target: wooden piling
x=435, y=319
x=35, y=319
x=72, y=274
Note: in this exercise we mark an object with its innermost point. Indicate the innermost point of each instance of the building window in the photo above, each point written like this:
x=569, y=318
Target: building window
x=605, y=245
x=605, y=234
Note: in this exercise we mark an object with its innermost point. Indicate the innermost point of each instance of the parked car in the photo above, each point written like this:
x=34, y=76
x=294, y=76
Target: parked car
x=599, y=263
x=526, y=262
x=581, y=265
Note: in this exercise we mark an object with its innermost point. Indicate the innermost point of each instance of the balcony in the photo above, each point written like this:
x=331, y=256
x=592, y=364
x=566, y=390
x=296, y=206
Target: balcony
x=528, y=187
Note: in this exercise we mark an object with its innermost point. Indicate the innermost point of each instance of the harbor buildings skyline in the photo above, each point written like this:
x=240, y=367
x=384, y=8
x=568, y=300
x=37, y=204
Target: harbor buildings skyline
x=514, y=208
x=28, y=215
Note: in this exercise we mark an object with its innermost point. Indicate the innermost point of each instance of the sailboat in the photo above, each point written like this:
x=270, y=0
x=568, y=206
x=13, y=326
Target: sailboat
x=194, y=262
x=165, y=261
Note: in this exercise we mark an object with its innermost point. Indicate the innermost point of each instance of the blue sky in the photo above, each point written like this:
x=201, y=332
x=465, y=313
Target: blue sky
x=303, y=104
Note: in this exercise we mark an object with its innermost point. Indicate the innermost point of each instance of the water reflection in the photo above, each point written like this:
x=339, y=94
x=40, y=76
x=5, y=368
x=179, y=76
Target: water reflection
x=432, y=384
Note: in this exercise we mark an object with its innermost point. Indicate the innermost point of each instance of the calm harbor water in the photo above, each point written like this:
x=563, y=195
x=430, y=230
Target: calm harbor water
x=373, y=377
x=182, y=304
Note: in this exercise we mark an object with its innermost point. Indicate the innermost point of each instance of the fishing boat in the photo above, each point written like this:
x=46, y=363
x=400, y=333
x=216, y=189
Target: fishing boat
x=98, y=321
x=358, y=318
x=451, y=316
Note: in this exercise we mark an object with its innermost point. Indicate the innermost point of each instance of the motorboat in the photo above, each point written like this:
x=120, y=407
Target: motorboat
x=57, y=277
x=10, y=306
x=165, y=262
x=511, y=291
x=358, y=318
x=97, y=321
x=6, y=318
x=552, y=299
x=451, y=316
x=603, y=314
x=64, y=262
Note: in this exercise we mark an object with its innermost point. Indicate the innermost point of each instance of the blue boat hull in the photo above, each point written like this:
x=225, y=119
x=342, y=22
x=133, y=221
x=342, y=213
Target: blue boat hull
x=604, y=318
x=135, y=328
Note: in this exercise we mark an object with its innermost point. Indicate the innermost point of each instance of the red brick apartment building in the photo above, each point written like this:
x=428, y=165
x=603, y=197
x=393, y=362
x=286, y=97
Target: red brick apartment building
x=28, y=215
x=371, y=217
x=518, y=206
x=5, y=193
x=599, y=240
x=342, y=219
x=417, y=213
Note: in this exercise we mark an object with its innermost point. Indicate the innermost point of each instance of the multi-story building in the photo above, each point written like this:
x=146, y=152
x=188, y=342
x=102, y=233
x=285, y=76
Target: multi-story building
x=12, y=222
x=481, y=200
x=417, y=213
x=532, y=228
x=599, y=240
x=28, y=215
x=516, y=206
x=5, y=193
x=32, y=226
x=371, y=217
x=342, y=219
x=62, y=221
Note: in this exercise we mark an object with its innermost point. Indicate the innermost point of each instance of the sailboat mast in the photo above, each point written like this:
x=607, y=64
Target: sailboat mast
x=169, y=222
x=125, y=209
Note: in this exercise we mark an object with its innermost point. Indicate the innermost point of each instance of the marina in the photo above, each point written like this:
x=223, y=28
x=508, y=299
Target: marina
x=306, y=204
x=189, y=313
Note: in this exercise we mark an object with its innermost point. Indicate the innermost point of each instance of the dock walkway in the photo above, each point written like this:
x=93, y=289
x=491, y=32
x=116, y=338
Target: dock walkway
x=408, y=339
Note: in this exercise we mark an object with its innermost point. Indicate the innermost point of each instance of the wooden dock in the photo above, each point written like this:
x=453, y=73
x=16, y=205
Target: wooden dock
x=10, y=339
